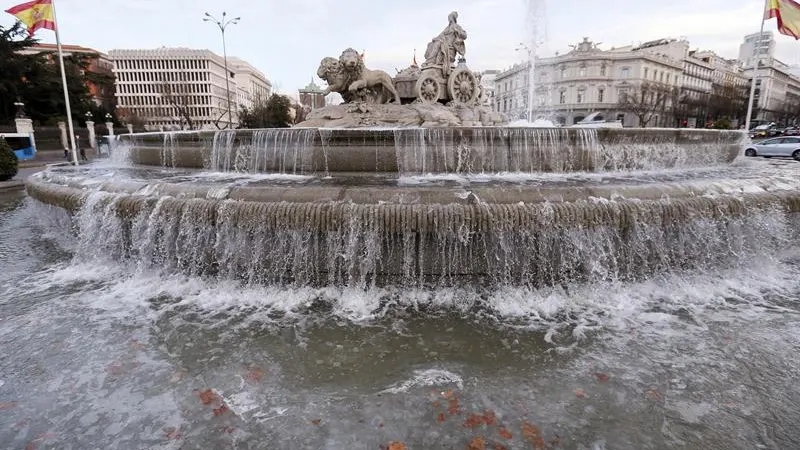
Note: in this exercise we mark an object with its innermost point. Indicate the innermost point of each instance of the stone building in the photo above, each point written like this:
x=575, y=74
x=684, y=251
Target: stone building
x=100, y=79
x=174, y=88
x=586, y=80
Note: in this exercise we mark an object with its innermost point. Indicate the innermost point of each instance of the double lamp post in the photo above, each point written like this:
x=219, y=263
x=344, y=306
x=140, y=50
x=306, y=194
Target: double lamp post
x=223, y=24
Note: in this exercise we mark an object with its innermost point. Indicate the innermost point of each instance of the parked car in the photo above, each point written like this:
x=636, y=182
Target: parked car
x=782, y=146
x=792, y=131
x=766, y=130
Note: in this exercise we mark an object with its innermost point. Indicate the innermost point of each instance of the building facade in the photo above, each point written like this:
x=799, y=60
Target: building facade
x=585, y=80
x=756, y=46
x=98, y=75
x=181, y=88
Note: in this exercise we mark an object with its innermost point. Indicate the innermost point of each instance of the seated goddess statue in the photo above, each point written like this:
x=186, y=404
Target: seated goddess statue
x=444, y=48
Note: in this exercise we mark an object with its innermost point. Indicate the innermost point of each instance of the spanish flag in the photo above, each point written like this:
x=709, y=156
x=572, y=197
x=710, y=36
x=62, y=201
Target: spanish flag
x=788, y=14
x=35, y=15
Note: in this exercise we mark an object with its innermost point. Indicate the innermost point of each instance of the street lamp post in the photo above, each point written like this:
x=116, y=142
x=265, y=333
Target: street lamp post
x=223, y=24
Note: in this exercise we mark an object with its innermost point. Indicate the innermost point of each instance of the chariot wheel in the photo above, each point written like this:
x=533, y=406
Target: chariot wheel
x=428, y=88
x=463, y=86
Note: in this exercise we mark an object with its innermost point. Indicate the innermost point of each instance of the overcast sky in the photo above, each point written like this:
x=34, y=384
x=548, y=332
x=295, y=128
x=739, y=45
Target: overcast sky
x=287, y=38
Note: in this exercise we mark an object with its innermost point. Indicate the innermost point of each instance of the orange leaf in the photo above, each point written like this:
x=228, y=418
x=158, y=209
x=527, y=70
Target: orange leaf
x=220, y=411
x=230, y=430
x=654, y=395
x=448, y=394
x=441, y=418
x=489, y=418
x=474, y=420
x=504, y=433
x=530, y=431
x=452, y=406
x=316, y=421
x=136, y=345
x=7, y=405
x=437, y=404
x=539, y=444
x=172, y=433
x=255, y=375
x=396, y=446
x=208, y=396
x=601, y=377
x=499, y=446
x=580, y=393
x=477, y=443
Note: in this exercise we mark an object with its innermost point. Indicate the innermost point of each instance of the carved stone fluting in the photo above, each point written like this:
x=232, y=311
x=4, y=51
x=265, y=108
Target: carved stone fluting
x=354, y=81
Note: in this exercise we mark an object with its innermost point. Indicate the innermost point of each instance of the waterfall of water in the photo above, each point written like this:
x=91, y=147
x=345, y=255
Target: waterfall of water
x=281, y=150
x=345, y=244
x=489, y=150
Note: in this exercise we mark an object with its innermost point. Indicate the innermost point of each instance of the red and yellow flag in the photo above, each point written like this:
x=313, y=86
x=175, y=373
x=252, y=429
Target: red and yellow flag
x=35, y=15
x=788, y=14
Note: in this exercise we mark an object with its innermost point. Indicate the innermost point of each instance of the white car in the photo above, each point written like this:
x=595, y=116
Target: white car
x=780, y=146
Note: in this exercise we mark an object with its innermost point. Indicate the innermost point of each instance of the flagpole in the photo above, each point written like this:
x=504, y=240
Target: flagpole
x=757, y=51
x=66, y=91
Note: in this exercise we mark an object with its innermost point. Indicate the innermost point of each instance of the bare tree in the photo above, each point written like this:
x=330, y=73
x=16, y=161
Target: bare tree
x=728, y=101
x=177, y=96
x=129, y=117
x=646, y=101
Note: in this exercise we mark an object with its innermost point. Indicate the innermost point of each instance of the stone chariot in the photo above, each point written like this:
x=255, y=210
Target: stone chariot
x=430, y=85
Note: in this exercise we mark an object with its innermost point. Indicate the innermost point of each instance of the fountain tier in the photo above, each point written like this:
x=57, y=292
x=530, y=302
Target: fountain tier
x=370, y=224
x=436, y=150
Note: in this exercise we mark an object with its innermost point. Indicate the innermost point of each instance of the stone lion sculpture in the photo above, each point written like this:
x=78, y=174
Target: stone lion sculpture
x=354, y=81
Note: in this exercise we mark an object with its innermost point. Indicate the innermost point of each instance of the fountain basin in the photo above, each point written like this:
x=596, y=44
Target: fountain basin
x=377, y=229
x=436, y=150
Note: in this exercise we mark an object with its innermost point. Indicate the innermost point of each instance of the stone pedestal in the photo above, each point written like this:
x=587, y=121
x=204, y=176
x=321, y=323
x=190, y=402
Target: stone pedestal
x=110, y=128
x=24, y=125
x=92, y=138
x=62, y=127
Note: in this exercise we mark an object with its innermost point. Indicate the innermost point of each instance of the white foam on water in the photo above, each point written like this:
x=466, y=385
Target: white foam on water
x=427, y=377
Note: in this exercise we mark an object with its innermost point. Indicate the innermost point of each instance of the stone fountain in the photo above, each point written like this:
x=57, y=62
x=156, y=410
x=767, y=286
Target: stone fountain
x=413, y=182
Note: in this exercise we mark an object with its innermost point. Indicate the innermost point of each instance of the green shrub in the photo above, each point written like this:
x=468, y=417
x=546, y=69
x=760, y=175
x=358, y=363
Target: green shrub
x=722, y=124
x=8, y=161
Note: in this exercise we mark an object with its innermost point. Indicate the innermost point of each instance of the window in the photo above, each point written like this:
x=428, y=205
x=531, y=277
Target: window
x=582, y=71
x=563, y=72
x=603, y=70
x=600, y=93
x=661, y=77
x=645, y=72
x=625, y=72
x=562, y=97
x=581, y=95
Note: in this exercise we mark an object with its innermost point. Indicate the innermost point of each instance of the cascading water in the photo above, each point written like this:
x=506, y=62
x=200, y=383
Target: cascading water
x=280, y=150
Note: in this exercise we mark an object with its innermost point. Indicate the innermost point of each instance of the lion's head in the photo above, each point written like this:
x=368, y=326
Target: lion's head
x=328, y=67
x=351, y=61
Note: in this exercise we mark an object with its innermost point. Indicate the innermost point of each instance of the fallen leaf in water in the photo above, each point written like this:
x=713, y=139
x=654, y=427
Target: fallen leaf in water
x=504, y=433
x=230, y=430
x=531, y=432
x=473, y=420
x=489, y=418
x=396, y=446
x=115, y=369
x=42, y=437
x=441, y=418
x=316, y=421
x=448, y=394
x=7, y=405
x=580, y=393
x=207, y=396
x=255, y=375
x=601, y=377
x=172, y=433
x=452, y=406
x=555, y=441
x=477, y=443
x=499, y=446
x=220, y=411
x=136, y=345
x=654, y=395
x=437, y=404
